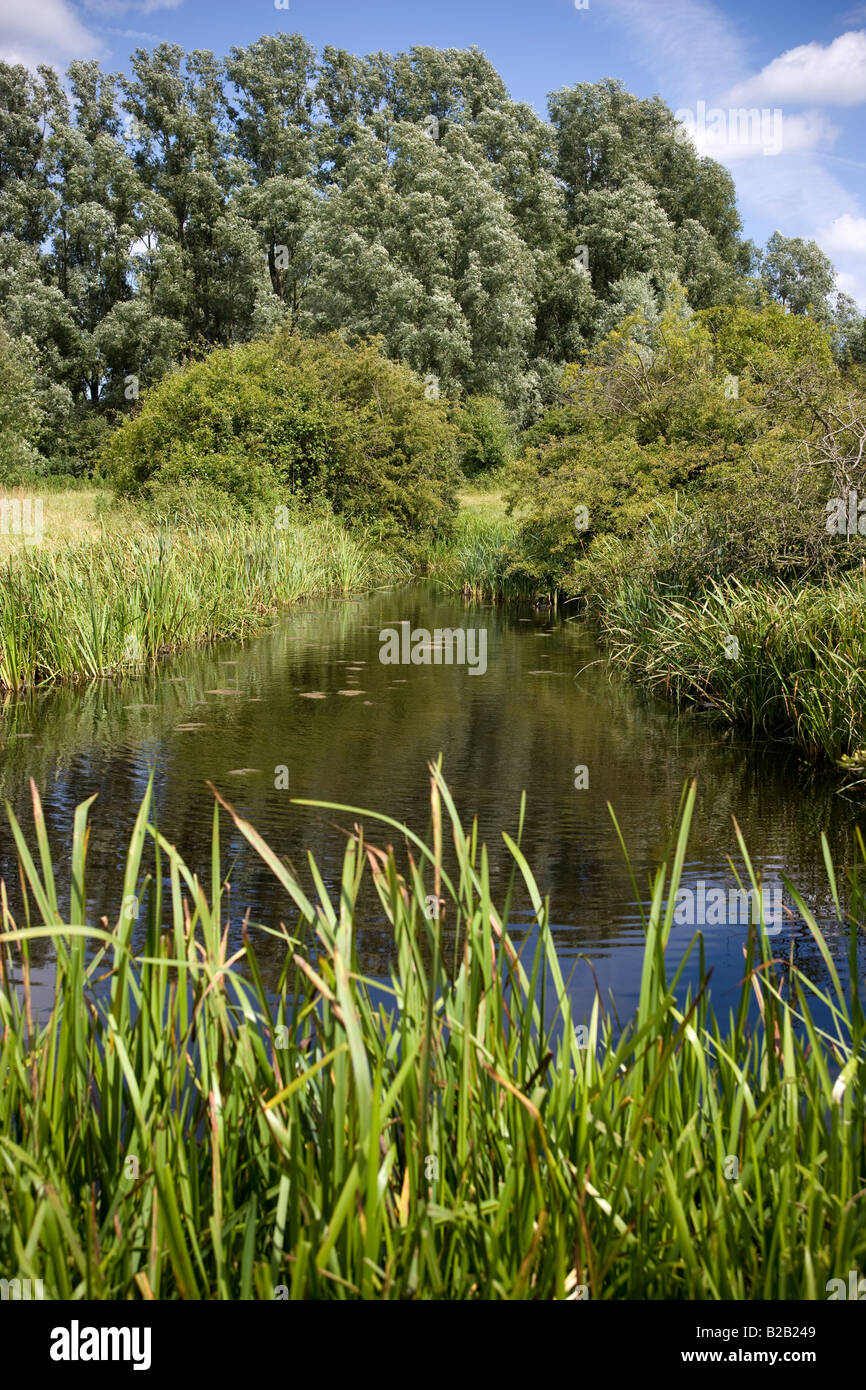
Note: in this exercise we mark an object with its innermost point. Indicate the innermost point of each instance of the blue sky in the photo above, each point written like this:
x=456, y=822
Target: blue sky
x=802, y=169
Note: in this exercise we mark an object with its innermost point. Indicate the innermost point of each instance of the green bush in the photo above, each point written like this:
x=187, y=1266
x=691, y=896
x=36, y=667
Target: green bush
x=712, y=451
x=485, y=439
x=296, y=422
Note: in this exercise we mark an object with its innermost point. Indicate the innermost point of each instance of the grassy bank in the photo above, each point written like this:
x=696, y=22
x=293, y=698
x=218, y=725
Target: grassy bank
x=186, y=1136
x=477, y=559
x=70, y=513
x=103, y=590
x=101, y=605
x=783, y=663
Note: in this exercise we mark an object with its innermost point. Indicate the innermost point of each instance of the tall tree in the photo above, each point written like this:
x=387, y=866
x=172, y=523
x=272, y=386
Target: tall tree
x=609, y=144
x=272, y=115
x=28, y=105
x=185, y=155
x=417, y=246
x=798, y=274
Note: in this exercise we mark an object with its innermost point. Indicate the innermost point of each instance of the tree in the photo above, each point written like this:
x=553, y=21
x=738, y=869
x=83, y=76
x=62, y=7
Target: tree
x=27, y=106
x=200, y=203
x=98, y=192
x=626, y=233
x=420, y=249
x=20, y=410
x=287, y=421
x=184, y=154
x=609, y=143
x=798, y=274
x=274, y=125
x=849, y=330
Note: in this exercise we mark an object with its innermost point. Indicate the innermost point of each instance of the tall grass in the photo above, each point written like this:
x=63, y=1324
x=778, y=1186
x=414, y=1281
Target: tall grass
x=174, y=1132
x=476, y=560
x=101, y=607
x=785, y=663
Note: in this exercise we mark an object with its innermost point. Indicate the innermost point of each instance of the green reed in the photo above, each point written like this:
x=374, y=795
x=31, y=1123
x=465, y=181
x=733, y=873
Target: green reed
x=785, y=663
x=102, y=607
x=175, y=1131
x=476, y=561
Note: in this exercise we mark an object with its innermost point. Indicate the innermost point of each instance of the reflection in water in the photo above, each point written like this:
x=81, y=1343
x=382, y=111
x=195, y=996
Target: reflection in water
x=309, y=711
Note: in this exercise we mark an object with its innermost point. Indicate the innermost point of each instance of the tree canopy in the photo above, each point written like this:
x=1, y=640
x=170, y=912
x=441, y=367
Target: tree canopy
x=203, y=202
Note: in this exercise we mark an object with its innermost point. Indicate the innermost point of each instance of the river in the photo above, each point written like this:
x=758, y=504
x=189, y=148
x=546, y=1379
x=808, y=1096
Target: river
x=310, y=703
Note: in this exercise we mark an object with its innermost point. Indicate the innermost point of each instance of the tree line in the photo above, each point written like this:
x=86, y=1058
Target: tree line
x=202, y=202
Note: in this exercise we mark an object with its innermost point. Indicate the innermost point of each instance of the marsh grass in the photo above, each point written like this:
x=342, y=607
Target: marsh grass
x=102, y=607
x=476, y=559
x=457, y=1141
x=799, y=672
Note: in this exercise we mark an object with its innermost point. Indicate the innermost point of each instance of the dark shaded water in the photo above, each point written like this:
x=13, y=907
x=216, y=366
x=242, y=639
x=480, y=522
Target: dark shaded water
x=546, y=705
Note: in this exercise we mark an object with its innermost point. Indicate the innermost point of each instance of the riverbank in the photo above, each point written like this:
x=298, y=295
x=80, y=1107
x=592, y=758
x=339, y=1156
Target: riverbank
x=104, y=593
x=785, y=664
x=193, y=1136
x=113, y=594
x=89, y=588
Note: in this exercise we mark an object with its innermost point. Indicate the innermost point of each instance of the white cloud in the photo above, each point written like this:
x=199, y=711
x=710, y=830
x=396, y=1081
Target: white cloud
x=834, y=75
x=807, y=131
x=44, y=31
x=845, y=236
x=118, y=7
x=855, y=285
x=691, y=40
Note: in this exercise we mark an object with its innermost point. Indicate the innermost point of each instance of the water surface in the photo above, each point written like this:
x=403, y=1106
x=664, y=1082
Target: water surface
x=312, y=697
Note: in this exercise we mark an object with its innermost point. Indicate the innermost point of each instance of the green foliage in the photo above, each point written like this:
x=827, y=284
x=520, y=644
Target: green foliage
x=20, y=411
x=798, y=274
x=200, y=203
x=485, y=441
x=461, y=1142
x=735, y=424
x=640, y=197
x=296, y=423
x=690, y=485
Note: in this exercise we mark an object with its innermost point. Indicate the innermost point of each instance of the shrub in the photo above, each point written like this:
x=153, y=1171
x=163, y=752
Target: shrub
x=294, y=421
x=485, y=435
x=735, y=425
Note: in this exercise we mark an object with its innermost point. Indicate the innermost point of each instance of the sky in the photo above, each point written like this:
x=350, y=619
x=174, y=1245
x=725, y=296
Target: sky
x=799, y=164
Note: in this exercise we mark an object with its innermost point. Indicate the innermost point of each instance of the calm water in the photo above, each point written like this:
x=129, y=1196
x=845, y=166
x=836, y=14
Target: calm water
x=546, y=705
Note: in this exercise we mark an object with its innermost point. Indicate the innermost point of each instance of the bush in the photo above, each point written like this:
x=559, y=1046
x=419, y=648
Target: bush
x=485, y=435
x=711, y=452
x=297, y=422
